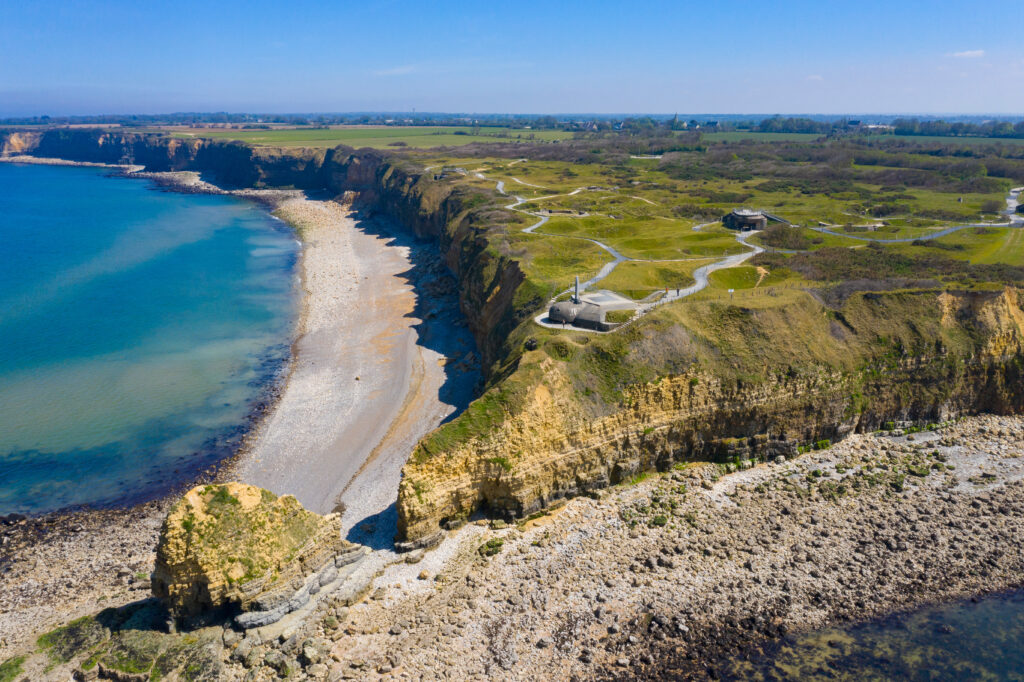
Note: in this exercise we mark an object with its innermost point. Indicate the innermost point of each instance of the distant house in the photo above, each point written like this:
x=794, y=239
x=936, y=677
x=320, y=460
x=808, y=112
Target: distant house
x=745, y=219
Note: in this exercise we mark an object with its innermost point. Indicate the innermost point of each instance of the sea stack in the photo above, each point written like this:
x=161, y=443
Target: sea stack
x=241, y=550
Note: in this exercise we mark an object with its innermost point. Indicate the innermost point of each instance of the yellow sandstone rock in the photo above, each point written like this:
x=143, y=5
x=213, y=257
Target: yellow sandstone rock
x=243, y=548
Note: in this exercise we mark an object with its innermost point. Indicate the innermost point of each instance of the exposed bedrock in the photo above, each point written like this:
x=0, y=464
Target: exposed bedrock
x=240, y=550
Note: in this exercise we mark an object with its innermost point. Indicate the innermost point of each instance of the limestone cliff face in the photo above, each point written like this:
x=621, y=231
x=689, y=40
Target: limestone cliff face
x=241, y=548
x=14, y=144
x=550, y=449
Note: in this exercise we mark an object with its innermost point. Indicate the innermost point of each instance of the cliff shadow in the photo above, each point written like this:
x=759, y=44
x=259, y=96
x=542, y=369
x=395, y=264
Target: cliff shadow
x=441, y=326
x=438, y=326
x=376, y=531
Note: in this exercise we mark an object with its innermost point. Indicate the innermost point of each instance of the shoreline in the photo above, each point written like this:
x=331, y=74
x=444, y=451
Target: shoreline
x=232, y=441
x=89, y=538
x=670, y=577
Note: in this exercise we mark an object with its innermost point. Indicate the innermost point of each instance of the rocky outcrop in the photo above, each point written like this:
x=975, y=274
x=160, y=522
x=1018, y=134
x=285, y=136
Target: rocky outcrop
x=13, y=144
x=243, y=550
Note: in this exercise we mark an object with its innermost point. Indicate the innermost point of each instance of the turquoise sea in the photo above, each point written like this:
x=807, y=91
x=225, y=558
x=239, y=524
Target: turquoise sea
x=139, y=331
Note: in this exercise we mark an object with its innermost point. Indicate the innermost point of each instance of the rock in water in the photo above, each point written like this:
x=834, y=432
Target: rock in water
x=241, y=549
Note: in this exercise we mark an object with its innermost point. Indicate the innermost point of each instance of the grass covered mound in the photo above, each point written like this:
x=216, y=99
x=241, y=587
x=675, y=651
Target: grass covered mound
x=220, y=537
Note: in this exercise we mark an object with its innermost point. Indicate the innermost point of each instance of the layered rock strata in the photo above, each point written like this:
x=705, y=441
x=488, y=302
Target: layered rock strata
x=244, y=550
x=552, y=449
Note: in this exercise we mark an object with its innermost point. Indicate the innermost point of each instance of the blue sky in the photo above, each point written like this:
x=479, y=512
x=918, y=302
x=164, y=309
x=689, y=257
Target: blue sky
x=727, y=56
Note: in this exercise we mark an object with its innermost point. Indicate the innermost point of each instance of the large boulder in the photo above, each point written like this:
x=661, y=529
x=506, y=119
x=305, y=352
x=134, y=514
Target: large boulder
x=242, y=549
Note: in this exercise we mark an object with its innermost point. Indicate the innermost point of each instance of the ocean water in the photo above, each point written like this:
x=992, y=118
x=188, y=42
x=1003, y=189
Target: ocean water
x=139, y=330
x=979, y=639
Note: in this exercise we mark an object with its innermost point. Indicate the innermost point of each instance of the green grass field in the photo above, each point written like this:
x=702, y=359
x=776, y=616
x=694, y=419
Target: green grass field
x=555, y=261
x=977, y=245
x=748, y=277
x=645, y=212
x=655, y=238
x=378, y=137
x=637, y=279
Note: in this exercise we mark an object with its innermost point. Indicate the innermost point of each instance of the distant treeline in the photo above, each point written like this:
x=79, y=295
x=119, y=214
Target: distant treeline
x=259, y=120
x=912, y=126
x=644, y=126
x=777, y=124
x=585, y=123
x=900, y=126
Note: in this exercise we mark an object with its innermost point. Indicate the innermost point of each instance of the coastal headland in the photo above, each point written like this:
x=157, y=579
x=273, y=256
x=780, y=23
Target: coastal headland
x=605, y=506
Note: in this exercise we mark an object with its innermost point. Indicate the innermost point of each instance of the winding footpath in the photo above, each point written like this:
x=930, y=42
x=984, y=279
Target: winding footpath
x=1014, y=220
x=700, y=275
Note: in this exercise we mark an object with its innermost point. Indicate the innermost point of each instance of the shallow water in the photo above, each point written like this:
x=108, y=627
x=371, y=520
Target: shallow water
x=138, y=330
x=966, y=640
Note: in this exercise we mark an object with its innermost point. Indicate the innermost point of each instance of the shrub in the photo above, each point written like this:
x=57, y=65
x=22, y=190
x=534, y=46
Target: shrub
x=785, y=237
x=618, y=316
x=491, y=547
x=502, y=462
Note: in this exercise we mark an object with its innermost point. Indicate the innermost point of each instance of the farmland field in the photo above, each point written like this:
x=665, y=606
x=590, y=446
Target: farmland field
x=380, y=137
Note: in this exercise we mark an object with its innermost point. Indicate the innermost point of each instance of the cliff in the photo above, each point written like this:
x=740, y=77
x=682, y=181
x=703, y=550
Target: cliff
x=567, y=413
x=908, y=357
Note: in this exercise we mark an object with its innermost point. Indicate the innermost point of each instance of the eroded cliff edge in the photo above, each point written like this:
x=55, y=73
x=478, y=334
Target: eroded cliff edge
x=747, y=384
x=564, y=414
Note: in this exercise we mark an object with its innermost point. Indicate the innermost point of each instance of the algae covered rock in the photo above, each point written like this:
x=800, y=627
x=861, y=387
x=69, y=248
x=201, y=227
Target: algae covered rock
x=128, y=644
x=240, y=548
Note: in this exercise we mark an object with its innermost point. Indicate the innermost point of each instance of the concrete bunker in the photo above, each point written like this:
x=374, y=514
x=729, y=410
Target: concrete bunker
x=745, y=219
x=590, y=311
x=749, y=219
